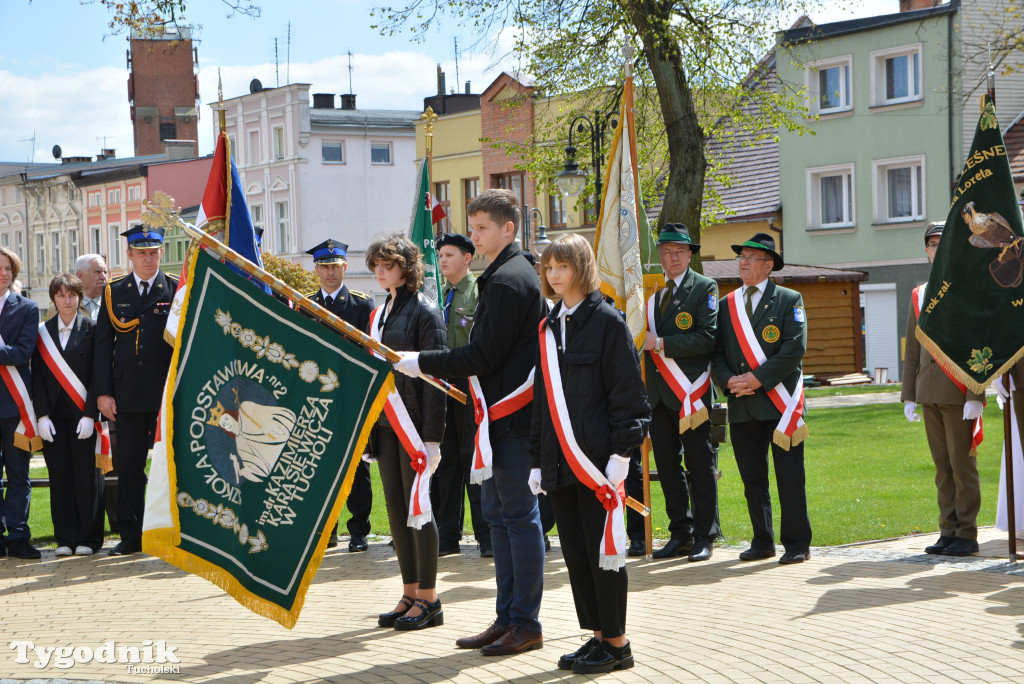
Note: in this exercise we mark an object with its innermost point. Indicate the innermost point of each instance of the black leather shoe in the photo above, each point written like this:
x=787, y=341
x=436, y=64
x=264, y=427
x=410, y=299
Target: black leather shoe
x=756, y=554
x=939, y=546
x=448, y=550
x=486, y=552
x=674, y=547
x=636, y=548
x=431, y=616
x=547, y=544
x=126, y=548
x=357, y=544
x=794, y=557
x=388, y=619
x=701, y=550
x=332, y=541
x=3, y=551
x=961, y=547
x=604, y=658
x=569, y=659
x=20, y=548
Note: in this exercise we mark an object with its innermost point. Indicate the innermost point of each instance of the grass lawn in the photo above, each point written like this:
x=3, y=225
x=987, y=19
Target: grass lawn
x=847, y=390
x=869, y=476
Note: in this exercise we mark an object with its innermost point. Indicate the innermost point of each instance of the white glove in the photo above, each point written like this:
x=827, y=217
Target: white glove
x=368, y=458
x=46, y=429
x=973, y=409
x=86, y=426
x=908, y=410
x=534, y=482
x=433, y=455
x=617, y=469
x=410, y=364
x=1000, y=390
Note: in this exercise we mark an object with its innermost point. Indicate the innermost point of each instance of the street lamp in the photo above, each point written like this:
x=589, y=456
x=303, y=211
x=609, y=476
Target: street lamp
x=542, y=240
x=571, y=180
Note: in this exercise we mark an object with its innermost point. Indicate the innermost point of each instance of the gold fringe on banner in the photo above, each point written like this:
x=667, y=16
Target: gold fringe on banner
x=956, y=371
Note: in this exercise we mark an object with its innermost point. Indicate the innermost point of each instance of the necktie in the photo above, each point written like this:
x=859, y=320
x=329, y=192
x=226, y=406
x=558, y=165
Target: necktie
x=448, y=304
x=751, y=291
x=328, y=301
x=665, y=298
x=145, y=289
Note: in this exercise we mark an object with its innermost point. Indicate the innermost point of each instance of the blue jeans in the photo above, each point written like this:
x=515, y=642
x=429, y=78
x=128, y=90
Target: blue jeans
x=15, y=498
x=516, y=537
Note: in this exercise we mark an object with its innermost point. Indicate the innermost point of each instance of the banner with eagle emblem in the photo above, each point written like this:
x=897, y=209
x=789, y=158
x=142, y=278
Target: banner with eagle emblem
x=975, y=287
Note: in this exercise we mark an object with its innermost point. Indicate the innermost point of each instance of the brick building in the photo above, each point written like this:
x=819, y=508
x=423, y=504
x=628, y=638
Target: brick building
x=163, y=89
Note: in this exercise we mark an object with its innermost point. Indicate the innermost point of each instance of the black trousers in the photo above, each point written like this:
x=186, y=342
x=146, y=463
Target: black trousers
x=134, y=439
x=416, y=549
x=599, y=595
x=635, y=488
x=449, y=485
x=76, y=487
x=359, y=502
x=750, y=442
x=692, y=505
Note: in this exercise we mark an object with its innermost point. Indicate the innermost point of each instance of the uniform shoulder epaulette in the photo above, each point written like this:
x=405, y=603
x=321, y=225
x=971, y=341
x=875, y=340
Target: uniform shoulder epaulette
x=171, y=276
x=310, y=295
x=357, y=293
x=119, y=278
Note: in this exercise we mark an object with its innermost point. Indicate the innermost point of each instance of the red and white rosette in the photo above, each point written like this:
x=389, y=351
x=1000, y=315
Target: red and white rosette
x=394, y=408
x=612, y=553
x=25, y=435
x=480, y=468
x=693, y=412
x=791, y=429
x=75, y=388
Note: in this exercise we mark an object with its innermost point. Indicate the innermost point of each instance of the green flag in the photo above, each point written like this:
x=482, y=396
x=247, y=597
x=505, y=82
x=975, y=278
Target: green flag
x=421, y=232
x=267, y=416
x=973, y=310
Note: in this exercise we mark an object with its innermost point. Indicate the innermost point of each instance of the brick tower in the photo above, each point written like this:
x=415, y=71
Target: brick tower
x=163, y=89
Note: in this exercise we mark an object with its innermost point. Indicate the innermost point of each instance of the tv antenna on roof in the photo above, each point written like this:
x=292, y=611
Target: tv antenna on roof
x=350, y=71
x=456, y=60
x=33, y=141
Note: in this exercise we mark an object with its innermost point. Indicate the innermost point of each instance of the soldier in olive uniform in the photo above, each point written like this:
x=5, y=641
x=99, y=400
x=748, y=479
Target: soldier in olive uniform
x=451, y=481
x=353, y=307
x=949, y=422
x=762, y=338
x=682, y=325
x=130, y=369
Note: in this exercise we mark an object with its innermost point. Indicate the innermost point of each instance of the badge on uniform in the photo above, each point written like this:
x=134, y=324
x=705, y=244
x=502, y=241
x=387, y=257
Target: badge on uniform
x=712, y=302
x=798, y=314
x=770, y=334
x=463, y=322
x=684, y=321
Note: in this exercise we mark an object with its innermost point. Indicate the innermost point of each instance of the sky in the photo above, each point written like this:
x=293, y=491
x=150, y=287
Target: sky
x=63, y=78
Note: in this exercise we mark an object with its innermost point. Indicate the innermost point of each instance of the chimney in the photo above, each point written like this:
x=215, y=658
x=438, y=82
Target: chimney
x=348, y=101
x=106, y=153
x=323, y=100
x=467, y=88
x=911, y=5
x=440, y=80
x=75, y=160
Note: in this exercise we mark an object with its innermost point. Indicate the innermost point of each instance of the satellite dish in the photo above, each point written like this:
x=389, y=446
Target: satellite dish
x=56, y=151
x=255, y=86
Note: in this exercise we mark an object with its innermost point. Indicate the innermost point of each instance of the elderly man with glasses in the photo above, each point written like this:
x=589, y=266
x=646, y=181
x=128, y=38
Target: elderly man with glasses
x=762, y=337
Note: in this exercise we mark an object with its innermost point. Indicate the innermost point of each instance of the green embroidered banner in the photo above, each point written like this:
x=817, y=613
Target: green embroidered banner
x=971, y=319
x=267, y=415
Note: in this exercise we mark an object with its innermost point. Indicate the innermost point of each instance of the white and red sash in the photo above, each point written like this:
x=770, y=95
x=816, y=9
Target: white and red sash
x=977, y=433
x=612, y=553
x=693, y=412
x=480, y=469
x=791, y=429
x=25, y=435
x=394, y=408
x=75, y=388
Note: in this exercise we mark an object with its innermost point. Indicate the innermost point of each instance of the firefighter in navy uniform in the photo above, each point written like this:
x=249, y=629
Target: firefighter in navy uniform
x=354, y=307
x=130, y=369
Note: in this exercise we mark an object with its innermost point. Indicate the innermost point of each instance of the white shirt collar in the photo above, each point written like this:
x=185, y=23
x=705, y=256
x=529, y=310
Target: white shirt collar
x=139, y=281
x=334, y=294
x=678, y=280
x=760, y=286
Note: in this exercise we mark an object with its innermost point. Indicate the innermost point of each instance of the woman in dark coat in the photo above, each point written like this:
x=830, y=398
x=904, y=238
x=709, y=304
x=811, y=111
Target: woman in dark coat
x=589, y=409
x=408, y=321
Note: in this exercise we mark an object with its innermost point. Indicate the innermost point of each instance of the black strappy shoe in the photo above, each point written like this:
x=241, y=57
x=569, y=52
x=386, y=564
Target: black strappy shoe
x=388, y=619
x=432, y=616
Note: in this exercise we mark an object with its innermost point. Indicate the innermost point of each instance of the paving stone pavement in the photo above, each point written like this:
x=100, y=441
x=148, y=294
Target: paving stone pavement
x=873, y=612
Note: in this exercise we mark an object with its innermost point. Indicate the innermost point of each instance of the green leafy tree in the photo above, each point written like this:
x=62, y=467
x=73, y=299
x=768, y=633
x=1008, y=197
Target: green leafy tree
x=145, y=16
x=292, y=274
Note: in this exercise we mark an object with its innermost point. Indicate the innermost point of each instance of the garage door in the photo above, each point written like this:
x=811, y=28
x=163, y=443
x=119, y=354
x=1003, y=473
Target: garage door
x=881, y=329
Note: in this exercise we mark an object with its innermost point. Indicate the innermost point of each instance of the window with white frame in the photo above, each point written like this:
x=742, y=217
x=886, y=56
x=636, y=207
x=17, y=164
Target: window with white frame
x=41, y=252
x=830, y=197
x=233, y=146
x=830, y=85
x=5, y=239
x=114, y=240
x=278, y=142
x=72, y=247
x=898, y=186
x=896, y=75
x=282, y=233
x=254, y=147
x=19, y=244
x=114, y=196
x=94, y=199
x=58, y=262
x=332, y=152
x=256, y=211
x=380, y=153
x=94, y=239
x=134, y=193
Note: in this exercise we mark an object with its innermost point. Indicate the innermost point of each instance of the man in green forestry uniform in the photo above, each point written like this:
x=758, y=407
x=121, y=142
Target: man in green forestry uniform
x=682, y=322
x=762, y=337
x=451, y=481
x=330, y=264
x=950, y=413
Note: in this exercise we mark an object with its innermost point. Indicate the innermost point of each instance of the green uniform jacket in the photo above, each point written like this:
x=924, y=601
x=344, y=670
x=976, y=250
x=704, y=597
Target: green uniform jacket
x=924, y=381
x=460, y=312
x=688, y=328
x=779, y=317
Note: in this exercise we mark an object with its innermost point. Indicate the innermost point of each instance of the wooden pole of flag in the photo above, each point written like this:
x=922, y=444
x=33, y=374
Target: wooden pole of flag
x=280, y=287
